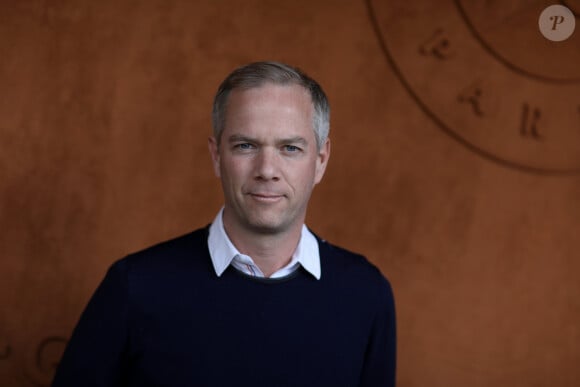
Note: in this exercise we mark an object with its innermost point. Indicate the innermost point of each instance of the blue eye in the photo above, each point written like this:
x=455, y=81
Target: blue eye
x=244, y=146
x=291, y=148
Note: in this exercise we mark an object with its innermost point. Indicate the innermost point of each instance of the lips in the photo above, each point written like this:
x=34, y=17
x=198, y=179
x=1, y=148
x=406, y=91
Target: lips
x=266, y=197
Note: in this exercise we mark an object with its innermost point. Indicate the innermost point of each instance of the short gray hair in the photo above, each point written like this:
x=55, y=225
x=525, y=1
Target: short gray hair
x=260, y=73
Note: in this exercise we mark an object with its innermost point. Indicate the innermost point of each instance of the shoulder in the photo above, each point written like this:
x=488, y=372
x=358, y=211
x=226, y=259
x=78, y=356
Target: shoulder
x=172, y=254
x=339, y=258
x=352, y=268
x=163, y=272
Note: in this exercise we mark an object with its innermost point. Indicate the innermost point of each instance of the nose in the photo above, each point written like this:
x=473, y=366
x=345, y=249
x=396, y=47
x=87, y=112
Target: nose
x=267, y=164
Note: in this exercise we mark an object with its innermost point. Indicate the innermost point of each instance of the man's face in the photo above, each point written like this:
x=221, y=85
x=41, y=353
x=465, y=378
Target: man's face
x=268, y=159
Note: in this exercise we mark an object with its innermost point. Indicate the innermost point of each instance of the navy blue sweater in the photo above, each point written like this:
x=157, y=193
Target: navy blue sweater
x=162, y=317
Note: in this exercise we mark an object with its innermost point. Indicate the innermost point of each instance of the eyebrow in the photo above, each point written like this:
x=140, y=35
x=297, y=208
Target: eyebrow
x=294, y=140
x=240, y=138
x=290, y=140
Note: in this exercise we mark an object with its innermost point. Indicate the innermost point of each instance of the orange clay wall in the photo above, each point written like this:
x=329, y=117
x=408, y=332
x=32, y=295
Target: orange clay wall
x=453, y=168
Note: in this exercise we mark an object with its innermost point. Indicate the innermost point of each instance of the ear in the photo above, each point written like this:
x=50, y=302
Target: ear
x=322, y=161
x=215, y=154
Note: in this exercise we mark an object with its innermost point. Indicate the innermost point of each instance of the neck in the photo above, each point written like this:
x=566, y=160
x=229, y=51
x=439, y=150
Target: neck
x=270, y=252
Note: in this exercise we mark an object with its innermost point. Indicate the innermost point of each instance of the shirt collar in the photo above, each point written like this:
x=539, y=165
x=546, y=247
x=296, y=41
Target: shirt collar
x=223, y=251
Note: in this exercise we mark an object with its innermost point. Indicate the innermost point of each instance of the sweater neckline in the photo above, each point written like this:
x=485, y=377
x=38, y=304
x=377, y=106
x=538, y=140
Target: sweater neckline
x=265, y=280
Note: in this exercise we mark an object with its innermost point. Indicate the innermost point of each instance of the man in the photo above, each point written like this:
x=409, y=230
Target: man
x=254, y=299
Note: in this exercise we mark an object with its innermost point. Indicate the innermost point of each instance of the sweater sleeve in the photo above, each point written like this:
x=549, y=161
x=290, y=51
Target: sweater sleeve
x=380, y=359
x=94, y=354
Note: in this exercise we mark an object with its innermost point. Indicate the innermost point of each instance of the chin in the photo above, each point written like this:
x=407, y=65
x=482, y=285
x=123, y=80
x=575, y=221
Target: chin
x=267, y=226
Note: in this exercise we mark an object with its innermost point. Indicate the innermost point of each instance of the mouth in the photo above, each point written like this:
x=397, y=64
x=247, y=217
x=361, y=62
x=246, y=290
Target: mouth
x=266, y=197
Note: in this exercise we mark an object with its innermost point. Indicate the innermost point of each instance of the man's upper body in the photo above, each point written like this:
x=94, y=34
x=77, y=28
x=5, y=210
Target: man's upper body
x=163, y=317
x=255, y=299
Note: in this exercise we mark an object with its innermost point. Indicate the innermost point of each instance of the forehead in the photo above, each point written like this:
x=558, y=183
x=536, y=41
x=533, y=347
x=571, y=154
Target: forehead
x=270, y=105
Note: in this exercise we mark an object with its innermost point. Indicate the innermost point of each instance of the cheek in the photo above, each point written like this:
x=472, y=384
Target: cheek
x=304, y=178
x=233, y=173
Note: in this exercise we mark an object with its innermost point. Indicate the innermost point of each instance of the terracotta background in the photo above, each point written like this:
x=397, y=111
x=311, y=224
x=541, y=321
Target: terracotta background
x=104, y=115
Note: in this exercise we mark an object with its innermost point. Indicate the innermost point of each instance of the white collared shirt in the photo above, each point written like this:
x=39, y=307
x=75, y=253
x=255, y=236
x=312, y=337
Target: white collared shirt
x=223, y=253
